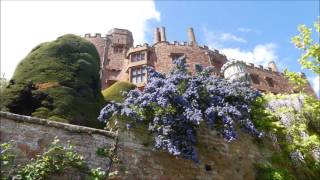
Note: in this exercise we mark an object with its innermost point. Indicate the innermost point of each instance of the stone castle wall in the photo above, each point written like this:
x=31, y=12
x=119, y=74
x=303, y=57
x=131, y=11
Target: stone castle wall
x=279, y=83
x=163, y=53
x=138, y=158
x=31, y=136
x=117, y=66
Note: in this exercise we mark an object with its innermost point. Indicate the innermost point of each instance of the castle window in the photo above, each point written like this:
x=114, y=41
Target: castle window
x=198, y=67
x=137, y=56
x=270, y=81
x=138, y=75
x=117, y=49
x=176, y=56
x=255, y=78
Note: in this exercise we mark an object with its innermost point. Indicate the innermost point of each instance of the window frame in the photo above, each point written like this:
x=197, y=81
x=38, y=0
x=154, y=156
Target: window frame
x=138, y=75
x=137, y=56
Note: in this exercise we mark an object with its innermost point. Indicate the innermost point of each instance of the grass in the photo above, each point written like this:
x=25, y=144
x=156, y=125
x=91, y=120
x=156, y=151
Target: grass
x=114, y=92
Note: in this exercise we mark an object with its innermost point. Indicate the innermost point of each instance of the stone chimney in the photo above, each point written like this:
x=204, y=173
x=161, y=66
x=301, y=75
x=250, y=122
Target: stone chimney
x=273, y=66
x=156, y=36
x=191, y=36
x=163, y=34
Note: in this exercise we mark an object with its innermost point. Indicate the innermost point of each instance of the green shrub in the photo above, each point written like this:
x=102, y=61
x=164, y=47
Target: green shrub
x=114, y=92
x=268, y=172
x=58, y=80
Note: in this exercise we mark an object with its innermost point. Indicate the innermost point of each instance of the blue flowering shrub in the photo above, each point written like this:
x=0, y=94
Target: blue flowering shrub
x=174, y=105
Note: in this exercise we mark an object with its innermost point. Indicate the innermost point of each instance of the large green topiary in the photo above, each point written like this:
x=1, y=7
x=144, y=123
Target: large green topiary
x=57, y=80
x=114, y=92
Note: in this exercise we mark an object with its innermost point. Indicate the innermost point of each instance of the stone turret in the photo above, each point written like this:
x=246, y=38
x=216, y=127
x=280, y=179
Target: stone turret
x=273, y=66
x=235, y=70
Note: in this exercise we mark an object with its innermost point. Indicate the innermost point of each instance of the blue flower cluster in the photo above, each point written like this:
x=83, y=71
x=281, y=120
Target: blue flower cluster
x=175, y=105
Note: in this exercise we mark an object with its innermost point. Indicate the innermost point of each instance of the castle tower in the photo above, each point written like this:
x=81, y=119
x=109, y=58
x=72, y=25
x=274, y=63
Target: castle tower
x=101, y=44
x=121, y=40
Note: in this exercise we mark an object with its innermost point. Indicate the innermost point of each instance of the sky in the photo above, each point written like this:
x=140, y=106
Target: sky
x=252, y=31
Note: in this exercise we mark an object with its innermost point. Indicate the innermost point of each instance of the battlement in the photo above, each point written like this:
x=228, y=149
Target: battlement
x=96, y=35
x=138, y=48
x=265, y=69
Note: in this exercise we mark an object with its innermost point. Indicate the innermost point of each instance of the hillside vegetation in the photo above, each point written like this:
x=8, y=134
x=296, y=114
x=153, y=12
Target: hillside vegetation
x=58, y=80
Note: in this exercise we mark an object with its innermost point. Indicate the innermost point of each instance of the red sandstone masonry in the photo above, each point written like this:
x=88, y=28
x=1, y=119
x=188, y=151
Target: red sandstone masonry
x=116, y=66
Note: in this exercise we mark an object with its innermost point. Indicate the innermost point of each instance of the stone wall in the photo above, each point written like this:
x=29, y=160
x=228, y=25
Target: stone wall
x=279, y=83
x=138, y=159
x=116, y=66
x=31, y=136
x=219, y=159
x=163, y=53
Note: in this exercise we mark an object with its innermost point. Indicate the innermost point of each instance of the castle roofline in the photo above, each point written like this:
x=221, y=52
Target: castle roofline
x=119, y=31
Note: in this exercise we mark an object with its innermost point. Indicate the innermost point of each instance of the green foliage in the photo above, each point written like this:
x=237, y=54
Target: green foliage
x=295, y=79
x=6, y=159
x=3, y=83
x=311, y=110
x=102, y=151
x=263, y=118
x=301, y=132
x=114, y=92
x=57, y=159
x=97, y=174
x=268, y=172
x=310, y=58
x=58, y=80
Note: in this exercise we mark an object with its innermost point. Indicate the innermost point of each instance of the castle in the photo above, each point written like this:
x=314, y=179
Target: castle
x=121, y=61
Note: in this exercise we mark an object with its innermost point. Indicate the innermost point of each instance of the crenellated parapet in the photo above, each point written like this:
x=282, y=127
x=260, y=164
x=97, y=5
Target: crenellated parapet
x=264, y=69
x=96, y=35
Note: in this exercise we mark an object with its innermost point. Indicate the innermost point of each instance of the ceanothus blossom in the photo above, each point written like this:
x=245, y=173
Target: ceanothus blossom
x=175, y=104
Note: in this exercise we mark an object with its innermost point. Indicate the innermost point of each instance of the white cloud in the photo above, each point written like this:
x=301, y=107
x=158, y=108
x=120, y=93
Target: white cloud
x=244, y=29
x=261, y=54
x=26, y=24
x=231, y=37
x=315, y=82
x=217, y=39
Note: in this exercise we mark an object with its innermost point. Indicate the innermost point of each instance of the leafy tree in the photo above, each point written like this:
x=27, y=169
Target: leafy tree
x=310, y=58
x=295, y=79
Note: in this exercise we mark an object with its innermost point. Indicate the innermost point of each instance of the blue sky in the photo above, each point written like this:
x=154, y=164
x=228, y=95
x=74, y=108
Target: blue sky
x=244, y=26
x=254, y=31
